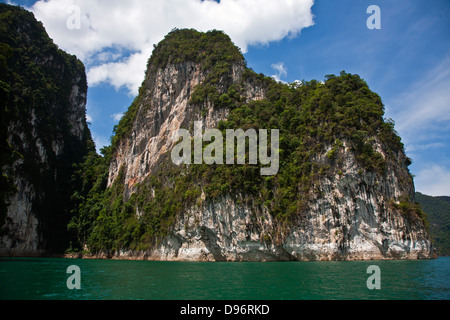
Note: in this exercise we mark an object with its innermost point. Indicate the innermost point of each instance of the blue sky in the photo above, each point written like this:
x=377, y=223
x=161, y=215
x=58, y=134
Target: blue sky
x=407, y=61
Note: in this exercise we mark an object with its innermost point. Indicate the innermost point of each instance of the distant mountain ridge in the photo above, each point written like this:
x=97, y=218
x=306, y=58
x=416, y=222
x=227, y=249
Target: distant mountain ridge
x=438, y=213
x=444, y=198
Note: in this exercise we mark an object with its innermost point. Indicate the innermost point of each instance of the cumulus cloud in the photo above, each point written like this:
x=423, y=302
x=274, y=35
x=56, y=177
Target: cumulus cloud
x=433, y=180
x=136, y=25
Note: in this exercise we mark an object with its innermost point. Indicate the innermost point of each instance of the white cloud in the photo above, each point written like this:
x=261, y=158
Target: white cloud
x=425, y=109
x=89, y=118
x=280, y=69
x=433, y=180
x=422, y=114
x=136, y=25
x=129, y=72
x=99, y=141
x=117, y=116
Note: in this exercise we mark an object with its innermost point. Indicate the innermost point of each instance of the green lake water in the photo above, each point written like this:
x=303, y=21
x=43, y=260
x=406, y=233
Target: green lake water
x=46, y=279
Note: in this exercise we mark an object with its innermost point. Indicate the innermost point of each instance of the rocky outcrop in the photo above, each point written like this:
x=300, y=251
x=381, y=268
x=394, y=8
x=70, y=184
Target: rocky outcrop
x=163, y=109
x=351, y=220
x=45, y=98
x=350, y=213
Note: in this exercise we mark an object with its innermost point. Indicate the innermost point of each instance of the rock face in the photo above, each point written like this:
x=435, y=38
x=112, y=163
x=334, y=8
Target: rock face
x=45, y=133
x=351, y=214
x=351, y=221
x=163, y=109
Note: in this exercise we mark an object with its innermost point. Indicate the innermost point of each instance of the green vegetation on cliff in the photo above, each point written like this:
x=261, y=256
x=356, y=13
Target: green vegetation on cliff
x=213, y=49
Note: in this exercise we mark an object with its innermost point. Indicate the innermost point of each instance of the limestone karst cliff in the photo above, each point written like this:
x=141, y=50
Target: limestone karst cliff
x=165, y=103
x=43, y=134
x=343, y=189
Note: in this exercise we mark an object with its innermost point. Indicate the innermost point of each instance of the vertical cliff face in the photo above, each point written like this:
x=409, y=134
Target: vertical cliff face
x=349, y=216
x=164, y=104
x=343, y=190
x=356, y=215
x=44, y=133
x=164, y=109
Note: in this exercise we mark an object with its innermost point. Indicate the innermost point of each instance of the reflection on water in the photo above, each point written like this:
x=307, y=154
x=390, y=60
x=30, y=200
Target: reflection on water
x=103, y=279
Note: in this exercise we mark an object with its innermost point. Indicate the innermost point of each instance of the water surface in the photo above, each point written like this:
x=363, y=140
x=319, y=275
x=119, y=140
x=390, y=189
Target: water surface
x=45, y=279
